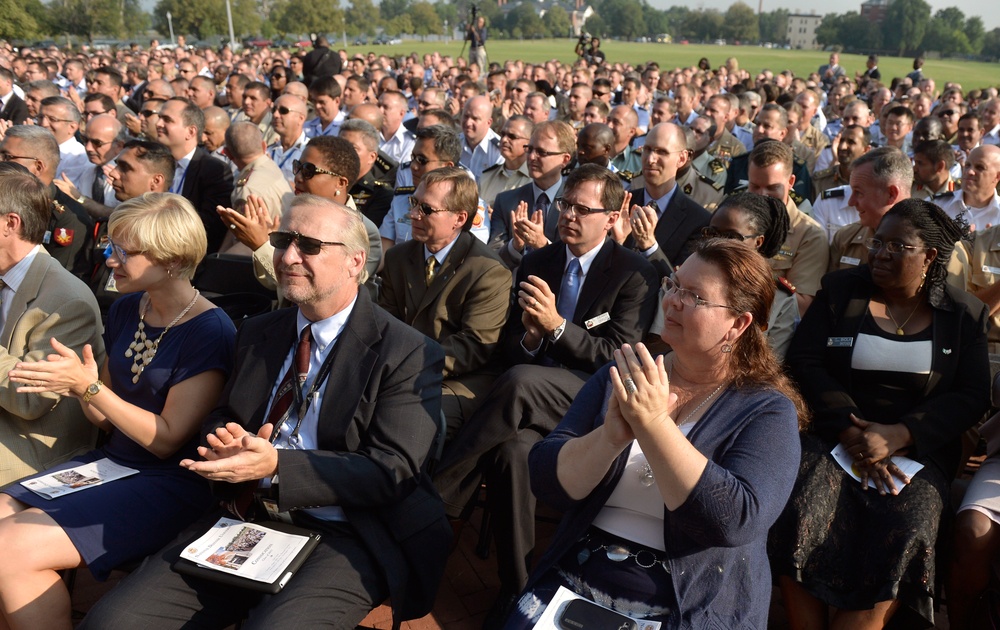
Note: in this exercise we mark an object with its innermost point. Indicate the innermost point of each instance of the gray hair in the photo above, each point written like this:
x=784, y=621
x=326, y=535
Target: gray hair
x=369, y=133
x=889, y=166
x=39, y=141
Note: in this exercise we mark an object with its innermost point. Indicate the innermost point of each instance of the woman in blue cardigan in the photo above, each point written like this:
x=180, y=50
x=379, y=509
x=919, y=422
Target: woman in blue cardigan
x=671, y=471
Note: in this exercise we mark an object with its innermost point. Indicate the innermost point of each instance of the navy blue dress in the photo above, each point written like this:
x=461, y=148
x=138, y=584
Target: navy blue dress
x=130, y=518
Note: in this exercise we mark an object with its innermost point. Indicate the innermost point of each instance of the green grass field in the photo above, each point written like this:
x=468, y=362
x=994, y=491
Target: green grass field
x=971, y=74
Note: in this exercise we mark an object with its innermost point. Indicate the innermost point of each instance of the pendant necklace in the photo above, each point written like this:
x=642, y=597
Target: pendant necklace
x=142, y=350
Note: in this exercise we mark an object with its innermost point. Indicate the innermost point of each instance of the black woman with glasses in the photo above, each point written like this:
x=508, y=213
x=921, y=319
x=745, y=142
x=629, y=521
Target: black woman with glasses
x=169, y=352
x=761, y=223
x=892, y=361
x=671, y=470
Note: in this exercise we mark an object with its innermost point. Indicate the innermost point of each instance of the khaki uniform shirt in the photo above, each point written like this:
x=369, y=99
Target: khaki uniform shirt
x=497, y=179
x=984, y=263
x=802, y=257
x=703, y=190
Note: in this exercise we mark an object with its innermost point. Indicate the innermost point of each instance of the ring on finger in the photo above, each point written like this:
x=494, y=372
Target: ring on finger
x=629, y=384
x=232, y=226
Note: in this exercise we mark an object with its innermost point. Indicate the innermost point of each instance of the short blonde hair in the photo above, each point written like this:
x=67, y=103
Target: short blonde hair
x=164, y=227
x=354, y=236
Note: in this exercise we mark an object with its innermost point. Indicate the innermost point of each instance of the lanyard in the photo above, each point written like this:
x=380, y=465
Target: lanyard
x=303, y=403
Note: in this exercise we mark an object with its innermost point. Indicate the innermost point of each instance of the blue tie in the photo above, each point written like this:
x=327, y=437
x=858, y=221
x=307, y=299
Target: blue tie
x=569, y=291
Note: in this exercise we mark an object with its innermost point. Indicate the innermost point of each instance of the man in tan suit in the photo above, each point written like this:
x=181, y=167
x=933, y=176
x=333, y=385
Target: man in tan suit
x=39, y=300
x=450, y=286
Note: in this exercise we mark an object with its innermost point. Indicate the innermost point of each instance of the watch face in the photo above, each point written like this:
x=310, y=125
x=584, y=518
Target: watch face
x=94, y=388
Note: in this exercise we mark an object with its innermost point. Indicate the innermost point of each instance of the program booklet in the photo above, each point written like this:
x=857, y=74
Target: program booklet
x=82, y=477
x=906, y=465
x=251, y=555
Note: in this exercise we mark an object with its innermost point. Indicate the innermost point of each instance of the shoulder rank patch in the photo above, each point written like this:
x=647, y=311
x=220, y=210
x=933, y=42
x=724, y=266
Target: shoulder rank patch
x=404, y=165
x=495, y=142
x=796, y=197
x=405, y=190
x=826, y=172
x=717, y=166
x=58, y=207
x=785, y=285
x=833, y=193
x=942, y=195
x=688, y=189
x=711, y=182
x=627, y=176
x=492, y=168
x=383, y=163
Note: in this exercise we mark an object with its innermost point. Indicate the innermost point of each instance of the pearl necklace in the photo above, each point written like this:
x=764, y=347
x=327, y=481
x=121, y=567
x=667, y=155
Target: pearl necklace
x=646, y=477
x=142, y=350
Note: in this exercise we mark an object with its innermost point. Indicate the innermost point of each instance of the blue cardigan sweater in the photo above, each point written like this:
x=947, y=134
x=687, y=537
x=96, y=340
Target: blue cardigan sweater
x=716, y=542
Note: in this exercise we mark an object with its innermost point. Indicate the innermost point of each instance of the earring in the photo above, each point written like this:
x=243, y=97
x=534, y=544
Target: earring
x=727, y=348
x=336, y=193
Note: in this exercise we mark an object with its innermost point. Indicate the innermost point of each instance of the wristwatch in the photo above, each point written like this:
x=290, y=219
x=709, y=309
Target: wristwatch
x=92, y=390
x=80, y=201
x=557, y=333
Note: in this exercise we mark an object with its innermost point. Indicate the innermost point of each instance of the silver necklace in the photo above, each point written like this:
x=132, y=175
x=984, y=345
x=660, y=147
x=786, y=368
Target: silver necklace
x=646, y=477
x=142, y=350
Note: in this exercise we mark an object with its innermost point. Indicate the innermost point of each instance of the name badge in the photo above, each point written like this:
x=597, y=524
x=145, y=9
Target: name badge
x=989, y=269
x=597, y=321
x=47, y=237
x=847, y=260
x=839, y=342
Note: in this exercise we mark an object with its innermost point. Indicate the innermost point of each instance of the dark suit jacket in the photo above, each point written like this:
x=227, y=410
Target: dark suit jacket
x=16, y=110
x=465, y=307
x=620, y=283
x=676, y=231
x=135, y=101
x=958, y=389
x=208, y=183
x=379, y=418
x=500, y=232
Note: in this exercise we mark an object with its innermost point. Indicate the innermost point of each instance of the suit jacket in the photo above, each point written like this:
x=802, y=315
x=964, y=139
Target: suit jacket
x=38, y=431
x=676, y=231
x=464, y=308
x=378, y=419
x=500, y=228
x=208, y=183
x=15, y=111
x=957, y=392
x=620, y=284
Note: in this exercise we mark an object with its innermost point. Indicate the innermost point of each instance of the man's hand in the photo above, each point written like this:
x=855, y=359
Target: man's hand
x=622, y=226
x=253, y=228
x=531, y=231
x=236, y=456
x=4, y=126
x=133, y=123
x=67, y=187
x=643, y=222
x=538, y=300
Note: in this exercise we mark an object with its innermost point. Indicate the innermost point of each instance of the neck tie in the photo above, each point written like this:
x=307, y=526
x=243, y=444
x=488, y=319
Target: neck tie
x=430, y=270
x=569, y=290
x=97, y=190
x=299, y=369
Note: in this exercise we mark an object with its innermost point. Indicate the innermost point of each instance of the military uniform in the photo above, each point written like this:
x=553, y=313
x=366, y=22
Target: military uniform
x=373, y=197
x=703, y=190
x=979, y=218
x=497, y=179
x=68, y=237
x=826, y=179
x=814, y=139
x=726, y=147
x=849, y=250
x=802, y=257
x=712, y=167
x=482, y=156
x=984, y=264
x=384, y=169
x=832, y=212
x=404, y=176
x=628, y=160
x=944, y=192
x=738, y=178
x=286, y=159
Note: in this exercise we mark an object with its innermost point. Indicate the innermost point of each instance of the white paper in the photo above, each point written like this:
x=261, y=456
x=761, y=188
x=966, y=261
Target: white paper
x=245, y=549
x=76, y=479
x=555, y=608
x=908, y=466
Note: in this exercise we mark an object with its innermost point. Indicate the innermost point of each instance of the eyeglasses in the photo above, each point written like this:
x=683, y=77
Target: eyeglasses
x=688, y=297
x=8, y=157
x=578, y=209
x=600, y=94
x=511, y=136
x=733, y=235
x=893, y=247
x=306, y=245
x=278, y=76
x=423, y=160
x=948, y=112
x=97, y=143
x=284, y=111
x=310, y=170
x=42, y=118
x=423, y=209
x=146, y=113
x=542, y=152
x=518, y=90
x=92, y=114
x=119, y=251
x=664, y=153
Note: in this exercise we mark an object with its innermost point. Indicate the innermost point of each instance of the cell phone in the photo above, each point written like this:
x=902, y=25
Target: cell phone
x=581, y=614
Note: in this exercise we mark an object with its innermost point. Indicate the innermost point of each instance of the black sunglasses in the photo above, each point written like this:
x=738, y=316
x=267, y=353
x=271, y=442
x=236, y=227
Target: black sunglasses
x=423, y=208
x=306, y=244
x=284, y=111
x=309, y=170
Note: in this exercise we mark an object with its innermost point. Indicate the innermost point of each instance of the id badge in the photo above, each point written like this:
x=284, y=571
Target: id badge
x=272, y=511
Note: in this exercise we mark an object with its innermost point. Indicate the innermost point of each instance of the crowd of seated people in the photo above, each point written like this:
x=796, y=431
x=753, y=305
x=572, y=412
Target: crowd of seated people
x=735, y=329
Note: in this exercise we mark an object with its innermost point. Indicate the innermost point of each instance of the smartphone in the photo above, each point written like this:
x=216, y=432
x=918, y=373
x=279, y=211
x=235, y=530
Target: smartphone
x=581, y=614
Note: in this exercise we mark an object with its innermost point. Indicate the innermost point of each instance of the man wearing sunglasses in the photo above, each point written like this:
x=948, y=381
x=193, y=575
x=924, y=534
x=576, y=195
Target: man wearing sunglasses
x=577, y=300
x=450, y=286
x=289, y=117
x=349, y=464
x=104, y=140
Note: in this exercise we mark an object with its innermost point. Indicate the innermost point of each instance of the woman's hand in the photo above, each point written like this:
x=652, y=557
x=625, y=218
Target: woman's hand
x=883, y=474
x=874, y=442
x=62, y=373
x=641, y=387
x=617, y=431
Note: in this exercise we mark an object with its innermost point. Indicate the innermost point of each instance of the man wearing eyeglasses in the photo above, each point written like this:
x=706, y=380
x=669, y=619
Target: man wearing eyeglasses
x=349, y=464
x=104, y=140
x=60, y=116
x=513, y=172
x=578, y=300
x=40, y=300
x=450, y=286
x=526, y=218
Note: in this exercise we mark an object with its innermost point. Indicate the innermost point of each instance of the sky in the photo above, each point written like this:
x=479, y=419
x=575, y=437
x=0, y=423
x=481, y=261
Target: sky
x=991, y=18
